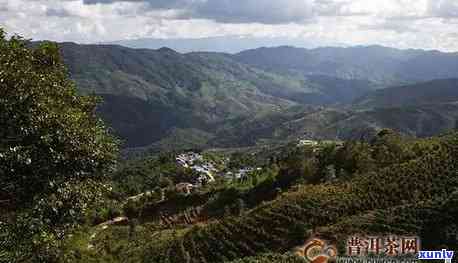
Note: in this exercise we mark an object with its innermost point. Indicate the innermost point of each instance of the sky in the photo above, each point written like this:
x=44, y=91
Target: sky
x=426, y=24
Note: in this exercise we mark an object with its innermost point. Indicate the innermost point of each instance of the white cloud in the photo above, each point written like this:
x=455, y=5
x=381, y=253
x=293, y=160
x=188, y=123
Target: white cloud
x=443, y=8
x=429, y=24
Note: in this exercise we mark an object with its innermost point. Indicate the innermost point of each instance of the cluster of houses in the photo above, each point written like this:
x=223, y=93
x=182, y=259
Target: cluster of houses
x=207, y=172
x=195, y=162
x=188, y=159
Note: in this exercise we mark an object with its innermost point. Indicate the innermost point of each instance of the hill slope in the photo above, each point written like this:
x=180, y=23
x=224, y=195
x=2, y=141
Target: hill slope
x=165, y=99
x=153, y=91
x=148, y=93
x=381, y=65
x=431, y=92
x=427, y=174
x=422, y=109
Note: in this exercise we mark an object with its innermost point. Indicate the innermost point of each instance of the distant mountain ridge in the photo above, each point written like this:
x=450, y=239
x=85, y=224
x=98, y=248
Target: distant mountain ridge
x=225, y=44
x=162, y=98
x=384, y=66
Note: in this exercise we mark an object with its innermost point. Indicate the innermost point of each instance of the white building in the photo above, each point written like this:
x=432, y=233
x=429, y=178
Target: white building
x=307, y=143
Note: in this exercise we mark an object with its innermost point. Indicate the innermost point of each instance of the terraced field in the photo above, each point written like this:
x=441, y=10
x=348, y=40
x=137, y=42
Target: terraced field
x=280, y=225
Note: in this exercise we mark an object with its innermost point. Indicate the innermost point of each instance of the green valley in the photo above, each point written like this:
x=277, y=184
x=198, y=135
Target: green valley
x=113, y=154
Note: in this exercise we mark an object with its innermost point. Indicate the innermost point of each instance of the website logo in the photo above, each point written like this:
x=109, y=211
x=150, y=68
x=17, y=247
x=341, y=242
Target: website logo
x=317, y=251
x=442, y=254
x=392, y=246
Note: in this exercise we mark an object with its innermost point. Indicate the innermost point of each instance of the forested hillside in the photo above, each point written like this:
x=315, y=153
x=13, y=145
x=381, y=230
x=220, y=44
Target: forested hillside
x=162, y=99
x=196, y=90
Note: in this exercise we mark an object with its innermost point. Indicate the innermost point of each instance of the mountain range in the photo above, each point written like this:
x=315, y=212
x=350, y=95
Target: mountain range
x=227, y=44
x=166, y=99
x=381, y=65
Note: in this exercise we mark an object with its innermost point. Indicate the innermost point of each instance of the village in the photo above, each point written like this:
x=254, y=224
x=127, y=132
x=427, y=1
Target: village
x=207, y=172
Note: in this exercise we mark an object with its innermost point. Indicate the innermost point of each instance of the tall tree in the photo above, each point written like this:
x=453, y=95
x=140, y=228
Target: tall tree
x=52, y=147
x=48, y=133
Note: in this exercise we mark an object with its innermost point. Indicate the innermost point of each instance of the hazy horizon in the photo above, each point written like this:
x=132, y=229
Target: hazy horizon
x=233, y=44
x=215, y=44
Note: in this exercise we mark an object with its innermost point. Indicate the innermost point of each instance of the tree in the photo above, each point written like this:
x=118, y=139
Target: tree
x=52, y=151
x=49, y=134
x=389, y=147
x=354, y=157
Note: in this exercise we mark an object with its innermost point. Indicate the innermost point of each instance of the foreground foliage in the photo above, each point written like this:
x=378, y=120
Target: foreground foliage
x=53, y=151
